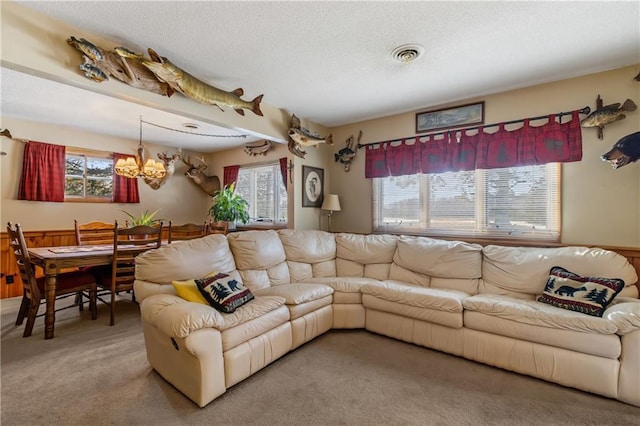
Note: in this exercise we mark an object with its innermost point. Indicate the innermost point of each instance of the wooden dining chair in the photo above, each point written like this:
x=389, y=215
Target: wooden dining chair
x=188, y=231
x=127, y=244
x=93, y=233
x=218, y=227
x=67, y=283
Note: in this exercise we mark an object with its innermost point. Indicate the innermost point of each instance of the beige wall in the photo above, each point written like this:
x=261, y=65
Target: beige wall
x=179, y=199
x=599, y=205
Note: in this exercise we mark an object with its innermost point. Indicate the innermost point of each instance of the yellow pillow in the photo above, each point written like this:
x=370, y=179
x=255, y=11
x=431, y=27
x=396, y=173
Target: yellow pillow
x=188, y=290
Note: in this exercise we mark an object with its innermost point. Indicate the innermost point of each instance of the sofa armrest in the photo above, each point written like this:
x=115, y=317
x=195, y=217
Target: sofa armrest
x=177, y=317
x=625, y=315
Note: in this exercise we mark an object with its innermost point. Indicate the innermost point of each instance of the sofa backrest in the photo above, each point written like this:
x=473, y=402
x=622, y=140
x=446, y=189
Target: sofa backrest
x=310, y=254
x=429, y=262
x=180, y=261
x=523, y=271
x=260, y=258
x=364, y=255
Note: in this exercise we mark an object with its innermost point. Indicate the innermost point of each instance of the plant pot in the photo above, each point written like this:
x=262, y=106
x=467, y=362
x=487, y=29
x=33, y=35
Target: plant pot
x=232, y=225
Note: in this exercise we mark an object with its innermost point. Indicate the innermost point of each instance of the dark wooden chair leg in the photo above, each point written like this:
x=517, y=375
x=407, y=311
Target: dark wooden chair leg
x=93, y=305
x=79, y=301
x=24, y=308
x=112, y=306
x=31, y=318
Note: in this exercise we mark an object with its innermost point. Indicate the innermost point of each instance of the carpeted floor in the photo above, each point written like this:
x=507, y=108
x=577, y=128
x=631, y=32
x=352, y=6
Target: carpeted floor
x=93, y=374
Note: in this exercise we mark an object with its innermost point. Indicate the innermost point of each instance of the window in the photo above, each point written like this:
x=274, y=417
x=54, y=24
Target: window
x=264, y=190
x=517, y=202
x=88, y=177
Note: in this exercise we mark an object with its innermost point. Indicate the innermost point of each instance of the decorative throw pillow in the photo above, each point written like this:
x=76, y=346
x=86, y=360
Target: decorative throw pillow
x=224, y=293
x=188, y=290
x=589, y=295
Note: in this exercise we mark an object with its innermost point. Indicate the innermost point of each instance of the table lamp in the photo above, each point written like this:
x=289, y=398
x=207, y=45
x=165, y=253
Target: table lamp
x=332, y=204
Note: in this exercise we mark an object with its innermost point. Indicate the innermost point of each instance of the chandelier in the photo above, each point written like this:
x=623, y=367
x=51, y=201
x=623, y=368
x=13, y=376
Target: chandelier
x=134, y=167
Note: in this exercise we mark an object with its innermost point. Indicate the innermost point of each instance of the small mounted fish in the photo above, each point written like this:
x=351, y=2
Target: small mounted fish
x=89, y=49
x=625, y=151
x=183, y=82
x=258, y=148
x=348, y=153
x=608, y=114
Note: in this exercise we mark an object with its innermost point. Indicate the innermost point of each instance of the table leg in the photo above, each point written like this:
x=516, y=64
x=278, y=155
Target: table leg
x=50, y=314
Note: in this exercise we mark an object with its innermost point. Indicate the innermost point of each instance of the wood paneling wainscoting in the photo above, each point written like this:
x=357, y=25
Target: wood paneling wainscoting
x=67, y=238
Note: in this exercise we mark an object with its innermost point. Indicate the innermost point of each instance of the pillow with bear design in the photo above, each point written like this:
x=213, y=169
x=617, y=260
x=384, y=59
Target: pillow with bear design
x=589, y=295
x=223, y=293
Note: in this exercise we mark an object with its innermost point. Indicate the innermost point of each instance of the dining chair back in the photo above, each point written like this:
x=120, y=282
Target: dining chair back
x=188, y=231
x=127, y=244
x=67, y=283
x=93, y=233
x=218, y=227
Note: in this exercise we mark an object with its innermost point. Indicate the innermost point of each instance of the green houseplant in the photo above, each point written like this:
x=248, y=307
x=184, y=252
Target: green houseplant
x=144, y=218
x=229, y=206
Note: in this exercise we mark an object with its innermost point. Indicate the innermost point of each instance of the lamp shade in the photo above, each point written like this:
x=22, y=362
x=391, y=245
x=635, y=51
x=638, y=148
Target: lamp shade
x=331, y=202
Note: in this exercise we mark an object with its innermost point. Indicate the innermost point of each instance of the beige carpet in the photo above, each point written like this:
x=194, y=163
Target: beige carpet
x=93, y=374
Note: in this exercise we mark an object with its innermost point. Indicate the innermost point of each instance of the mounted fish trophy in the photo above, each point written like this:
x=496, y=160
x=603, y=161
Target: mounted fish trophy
x=170, y=167
x=183, y=82
x=258, y=148
x=209, y=184
x=299, y=137
x=119, y=63
x=348, y=153
x=604, y=115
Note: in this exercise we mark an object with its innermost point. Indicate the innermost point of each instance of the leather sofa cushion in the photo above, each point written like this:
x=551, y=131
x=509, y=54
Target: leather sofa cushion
x=536, y=313
x=526, y=269
x=295, y=294
x=256, y=249
x=625, y=315
x=349, y=268
x=308, y=246
x=302, y=309
x=365, y=249
x=604, y=345
x=176, y=317
x=300, y=271
x=255, y=279
x=189, y=259
x=247, y=330
x=439, y=258
x=441, y=300
x=340, y=298
x=345, y=284
x=431, y=316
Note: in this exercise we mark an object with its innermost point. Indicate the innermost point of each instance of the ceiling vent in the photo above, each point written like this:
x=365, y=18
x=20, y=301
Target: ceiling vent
x=407, y=53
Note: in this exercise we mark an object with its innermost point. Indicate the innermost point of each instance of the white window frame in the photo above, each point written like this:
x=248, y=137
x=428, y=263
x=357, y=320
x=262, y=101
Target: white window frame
x=481, y=228
x=277, y=182
x=88, y=155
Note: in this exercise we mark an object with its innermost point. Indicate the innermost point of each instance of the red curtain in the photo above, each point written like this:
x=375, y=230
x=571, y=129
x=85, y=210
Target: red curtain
x=43, y=169
x=230, y=175
x=553, y=142
x=125, y=190
x=283, y=171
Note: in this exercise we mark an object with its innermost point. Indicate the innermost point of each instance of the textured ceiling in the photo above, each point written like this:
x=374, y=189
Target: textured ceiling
x=329, y=62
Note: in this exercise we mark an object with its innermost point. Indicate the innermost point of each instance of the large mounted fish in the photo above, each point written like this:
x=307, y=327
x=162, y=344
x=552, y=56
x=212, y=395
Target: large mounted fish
x=258, y=148
x=608, y=114
x=183, y=82
x=299, y=137
x=119, y=63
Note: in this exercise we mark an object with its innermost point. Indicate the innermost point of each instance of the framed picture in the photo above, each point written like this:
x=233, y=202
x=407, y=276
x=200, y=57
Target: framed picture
x=313, y=186
x=450, y=118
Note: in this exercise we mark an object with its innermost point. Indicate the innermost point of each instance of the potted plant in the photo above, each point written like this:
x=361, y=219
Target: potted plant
x=144, y=218
x=229, y=206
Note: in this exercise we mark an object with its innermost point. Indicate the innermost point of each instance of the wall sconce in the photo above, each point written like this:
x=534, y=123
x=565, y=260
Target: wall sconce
x=332, y=204
x=132, y=168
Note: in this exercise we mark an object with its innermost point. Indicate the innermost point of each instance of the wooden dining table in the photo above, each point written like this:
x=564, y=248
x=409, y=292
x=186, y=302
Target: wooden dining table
x=54, y=260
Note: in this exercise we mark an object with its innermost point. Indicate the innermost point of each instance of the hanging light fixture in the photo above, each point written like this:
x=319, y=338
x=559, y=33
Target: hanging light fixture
x=134, y=167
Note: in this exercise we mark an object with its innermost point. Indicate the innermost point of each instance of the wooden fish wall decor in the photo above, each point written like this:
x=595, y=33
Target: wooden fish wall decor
x=258, y=148
x=348, y=153
x=119, y=63
x=608, y=114
x=299, y=137
x=157, y=75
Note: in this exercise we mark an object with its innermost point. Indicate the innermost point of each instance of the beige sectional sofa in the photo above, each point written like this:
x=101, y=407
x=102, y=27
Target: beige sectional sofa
x=460, y=298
